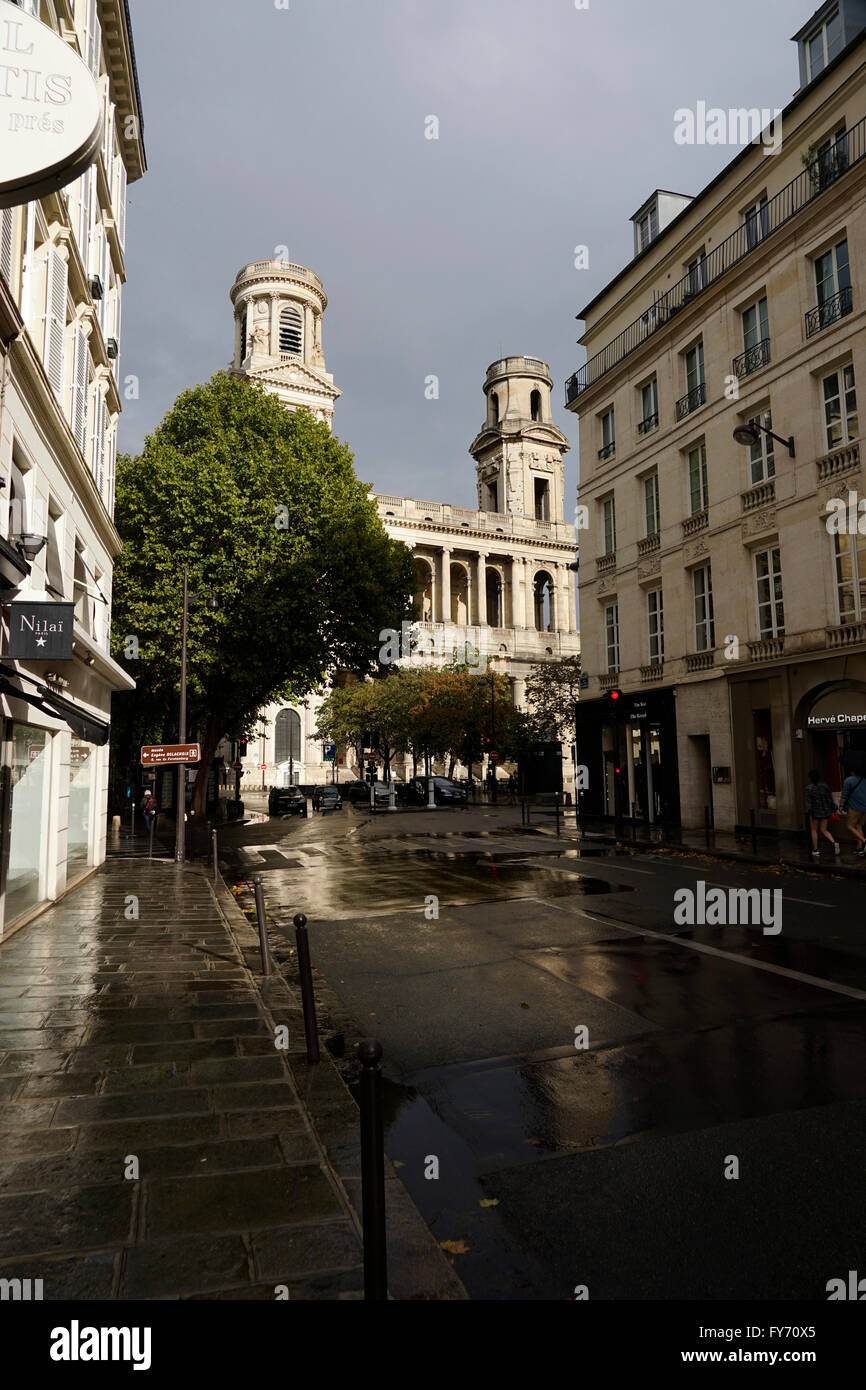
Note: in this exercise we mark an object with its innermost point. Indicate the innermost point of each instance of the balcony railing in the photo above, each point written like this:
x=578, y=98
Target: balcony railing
x=767, y=649
x=830, y=312
x=609, y=680
x=692, y=400
x=647, y=544
x=699, y=521
x=802, y=190
x=606, y=562
x=654, y=672
x=650, y=423
x=841, y=461
x=752, y=359
x=759, y=496
x=848, y=635
x=701, y=661
x=607, y=451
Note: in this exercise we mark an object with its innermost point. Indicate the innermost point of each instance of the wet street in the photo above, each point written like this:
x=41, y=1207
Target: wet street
x=581, y=1091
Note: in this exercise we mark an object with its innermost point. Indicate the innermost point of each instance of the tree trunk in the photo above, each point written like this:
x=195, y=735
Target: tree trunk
x=452, y=760
x=199, y=791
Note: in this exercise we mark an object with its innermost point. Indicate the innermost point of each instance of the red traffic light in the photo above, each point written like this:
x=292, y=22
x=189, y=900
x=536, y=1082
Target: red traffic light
x=613, y=696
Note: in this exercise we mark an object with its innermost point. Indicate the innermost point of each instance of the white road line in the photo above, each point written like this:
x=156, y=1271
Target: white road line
x=733, y=956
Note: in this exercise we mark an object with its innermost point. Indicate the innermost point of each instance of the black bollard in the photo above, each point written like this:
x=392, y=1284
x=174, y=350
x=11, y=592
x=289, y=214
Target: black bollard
x=216, y=861
x=373, y=1173
x=309, y=999
x=556, y=795
x=259, y=890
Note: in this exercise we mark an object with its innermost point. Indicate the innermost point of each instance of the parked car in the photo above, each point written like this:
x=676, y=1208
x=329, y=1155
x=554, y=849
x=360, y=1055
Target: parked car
x=445, y=792
x=327, y=799
x=287, y=801
x=354, y=792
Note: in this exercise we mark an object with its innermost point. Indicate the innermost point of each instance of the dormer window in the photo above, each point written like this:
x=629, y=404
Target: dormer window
x=647, y=228
x=291, y=331
x=823, y=45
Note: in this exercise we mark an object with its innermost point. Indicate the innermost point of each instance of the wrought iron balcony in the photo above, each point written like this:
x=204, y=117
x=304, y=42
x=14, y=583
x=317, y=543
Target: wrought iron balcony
x=608, y=451
x=692, y=400
x=650, y=423
x=831, y=311
x=841, y=157
x=752, y=359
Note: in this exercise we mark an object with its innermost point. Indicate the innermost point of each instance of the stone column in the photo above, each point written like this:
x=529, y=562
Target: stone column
x=481, y=568
x=446, y=587
x=309, y=335
x=529, y=594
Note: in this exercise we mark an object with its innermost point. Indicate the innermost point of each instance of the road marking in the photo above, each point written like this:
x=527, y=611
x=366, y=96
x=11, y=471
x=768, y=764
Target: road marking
x=733, y=956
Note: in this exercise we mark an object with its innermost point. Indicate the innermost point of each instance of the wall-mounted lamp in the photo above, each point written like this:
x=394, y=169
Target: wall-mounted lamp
x=30, y=544
x=748, y=435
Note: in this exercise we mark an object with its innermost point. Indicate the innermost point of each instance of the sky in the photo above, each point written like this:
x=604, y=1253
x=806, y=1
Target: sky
x=304, y=127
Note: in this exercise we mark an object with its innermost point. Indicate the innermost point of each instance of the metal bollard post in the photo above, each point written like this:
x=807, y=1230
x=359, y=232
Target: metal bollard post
x=150, y=837
x=308, y=998
x=216, y=862
x=754, y=827
x=556, y=795
x=259, y=890
x=373, y=1173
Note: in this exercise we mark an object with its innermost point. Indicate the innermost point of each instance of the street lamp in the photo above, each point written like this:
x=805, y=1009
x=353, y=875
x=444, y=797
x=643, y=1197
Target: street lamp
x=748, y=435
x=189, y=600
x=492, y=759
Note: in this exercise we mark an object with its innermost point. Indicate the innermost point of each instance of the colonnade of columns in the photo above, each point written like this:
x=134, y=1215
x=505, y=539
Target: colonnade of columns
x=518, y=577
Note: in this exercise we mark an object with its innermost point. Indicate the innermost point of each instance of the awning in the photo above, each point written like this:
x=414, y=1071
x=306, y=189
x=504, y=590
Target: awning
x=80, y=722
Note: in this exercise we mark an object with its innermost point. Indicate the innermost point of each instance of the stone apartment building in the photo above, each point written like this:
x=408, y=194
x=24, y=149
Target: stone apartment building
x=62, y=271
x=495, y=579
x=714, y=594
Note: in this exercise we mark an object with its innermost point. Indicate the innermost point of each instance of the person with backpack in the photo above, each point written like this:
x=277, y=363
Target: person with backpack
x=149, y=808
x=819, y=808
x=853, y=801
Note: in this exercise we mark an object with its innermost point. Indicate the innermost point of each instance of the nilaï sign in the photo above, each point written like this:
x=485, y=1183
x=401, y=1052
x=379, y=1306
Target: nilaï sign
x=50, y=110
x=41, y=631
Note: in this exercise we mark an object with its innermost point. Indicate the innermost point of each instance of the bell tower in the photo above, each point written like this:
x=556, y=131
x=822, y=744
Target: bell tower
x=279, y=307
x=519, y=453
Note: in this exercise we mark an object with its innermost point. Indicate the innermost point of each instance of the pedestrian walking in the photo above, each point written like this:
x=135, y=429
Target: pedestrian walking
x=149, y=809
x=819, y=808
x=853, y=803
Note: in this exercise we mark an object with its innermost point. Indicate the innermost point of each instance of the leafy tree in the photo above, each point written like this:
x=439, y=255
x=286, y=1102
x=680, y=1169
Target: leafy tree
x=552, y=691
x=263, y=507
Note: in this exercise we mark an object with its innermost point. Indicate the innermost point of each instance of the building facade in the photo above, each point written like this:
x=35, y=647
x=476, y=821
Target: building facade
x=715, y=593
x=495, y=580
x=62, y=270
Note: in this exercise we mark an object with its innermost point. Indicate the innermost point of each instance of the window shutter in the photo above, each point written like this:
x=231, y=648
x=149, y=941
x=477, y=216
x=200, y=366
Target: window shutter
x=54, y=558
x=55, y=318
x=105, y=276
x=98, y=464
x=94, y=39
x=81, y=373
x=111, y=466
x=84, y=217
x=120, y=196
x=6, y=234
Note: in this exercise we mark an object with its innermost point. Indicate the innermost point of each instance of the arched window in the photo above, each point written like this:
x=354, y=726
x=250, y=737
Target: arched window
x=535, y=403
x=494, y=599
x=424, y=591
x=291, y=330
x=287, y=736
x=543, y=593
x=494, y=408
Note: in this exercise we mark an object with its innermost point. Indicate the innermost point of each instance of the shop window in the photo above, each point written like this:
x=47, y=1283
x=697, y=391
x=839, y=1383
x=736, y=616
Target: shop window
x=26, y=870
x=82, y=781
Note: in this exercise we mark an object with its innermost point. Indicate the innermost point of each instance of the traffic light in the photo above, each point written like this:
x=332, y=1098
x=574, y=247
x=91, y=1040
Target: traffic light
x=488, y=744
x=612, y=697
x=242, y=748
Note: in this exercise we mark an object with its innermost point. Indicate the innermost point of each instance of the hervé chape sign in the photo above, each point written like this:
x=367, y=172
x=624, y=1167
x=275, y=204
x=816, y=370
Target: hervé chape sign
x=41, y=631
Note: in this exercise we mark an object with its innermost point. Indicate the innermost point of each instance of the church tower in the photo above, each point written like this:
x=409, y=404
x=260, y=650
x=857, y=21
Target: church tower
x=279, y=308
x=519, y=454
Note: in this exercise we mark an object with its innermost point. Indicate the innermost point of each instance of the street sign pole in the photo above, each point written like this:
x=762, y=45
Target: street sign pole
x=180, y=829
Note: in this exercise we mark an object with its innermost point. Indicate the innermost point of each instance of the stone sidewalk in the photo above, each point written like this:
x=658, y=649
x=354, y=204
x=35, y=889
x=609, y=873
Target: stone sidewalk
x=153, y=1143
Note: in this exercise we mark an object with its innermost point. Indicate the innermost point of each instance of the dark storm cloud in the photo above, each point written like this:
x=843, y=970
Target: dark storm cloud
x=305, y=127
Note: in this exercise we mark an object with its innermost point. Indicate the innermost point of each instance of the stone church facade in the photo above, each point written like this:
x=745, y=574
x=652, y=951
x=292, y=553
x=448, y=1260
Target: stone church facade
x=496, y=579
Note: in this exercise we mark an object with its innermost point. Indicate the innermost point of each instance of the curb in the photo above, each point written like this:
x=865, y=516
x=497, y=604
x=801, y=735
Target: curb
x=417, y=1269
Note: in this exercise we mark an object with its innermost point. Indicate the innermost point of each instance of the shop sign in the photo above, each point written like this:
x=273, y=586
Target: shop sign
x=50, y=109
x=843, y=720
x=41, y=631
